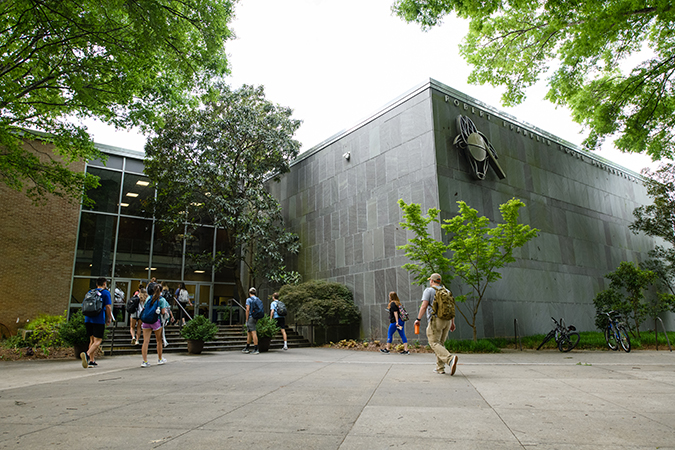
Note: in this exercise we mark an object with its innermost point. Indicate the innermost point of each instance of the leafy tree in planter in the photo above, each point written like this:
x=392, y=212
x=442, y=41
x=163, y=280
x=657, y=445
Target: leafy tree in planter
x=478, y=250
x=210, y=165
x=121, y=62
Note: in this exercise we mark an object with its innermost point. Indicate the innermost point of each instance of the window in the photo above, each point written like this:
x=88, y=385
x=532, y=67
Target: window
x=95, y=244
x=133, y=248
x=107, y=195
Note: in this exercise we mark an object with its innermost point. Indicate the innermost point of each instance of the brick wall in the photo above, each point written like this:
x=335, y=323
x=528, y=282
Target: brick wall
x=37, y=246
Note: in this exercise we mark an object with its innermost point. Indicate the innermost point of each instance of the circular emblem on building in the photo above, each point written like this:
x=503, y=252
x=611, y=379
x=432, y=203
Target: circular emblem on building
x=476, y=148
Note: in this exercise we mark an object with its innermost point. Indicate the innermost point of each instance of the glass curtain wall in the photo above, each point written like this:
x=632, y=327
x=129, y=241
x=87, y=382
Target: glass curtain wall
x=119, y=239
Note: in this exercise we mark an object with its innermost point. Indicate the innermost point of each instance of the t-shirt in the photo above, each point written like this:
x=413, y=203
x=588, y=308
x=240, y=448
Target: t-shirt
x=164, y=304
x=100, y=319
x=393, y=307
x=429, y=295
x=251, y=302
x=273, y=307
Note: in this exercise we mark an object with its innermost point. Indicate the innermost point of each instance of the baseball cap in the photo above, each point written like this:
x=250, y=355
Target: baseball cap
x=434, y=277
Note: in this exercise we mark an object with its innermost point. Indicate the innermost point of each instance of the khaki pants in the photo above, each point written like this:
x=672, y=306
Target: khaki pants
x=437, y=333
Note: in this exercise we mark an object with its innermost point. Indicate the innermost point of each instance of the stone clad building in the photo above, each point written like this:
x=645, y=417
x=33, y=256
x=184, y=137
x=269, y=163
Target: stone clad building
x=341, y=199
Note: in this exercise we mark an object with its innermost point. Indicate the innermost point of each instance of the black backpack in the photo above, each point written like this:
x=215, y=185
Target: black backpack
x=132, y=304
x=281, y=308
x=92, y=305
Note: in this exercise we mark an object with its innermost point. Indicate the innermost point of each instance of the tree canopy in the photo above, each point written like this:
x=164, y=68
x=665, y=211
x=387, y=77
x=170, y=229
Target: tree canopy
x=610, y=62
x=122, y=62
x=210, y=165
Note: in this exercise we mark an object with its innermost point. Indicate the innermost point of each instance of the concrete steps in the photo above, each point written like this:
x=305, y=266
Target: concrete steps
x=229, y=338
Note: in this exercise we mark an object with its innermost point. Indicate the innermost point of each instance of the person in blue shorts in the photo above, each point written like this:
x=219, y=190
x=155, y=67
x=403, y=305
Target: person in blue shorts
x=95, y=326
x=281, y=320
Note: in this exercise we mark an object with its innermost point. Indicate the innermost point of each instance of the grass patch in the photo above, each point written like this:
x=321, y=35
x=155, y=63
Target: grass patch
x=590, y=340
x=469, y=346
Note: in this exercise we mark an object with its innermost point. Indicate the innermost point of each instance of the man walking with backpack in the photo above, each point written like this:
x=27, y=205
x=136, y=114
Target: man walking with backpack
x=255, y=311
x=439, y=305
x=96, y=321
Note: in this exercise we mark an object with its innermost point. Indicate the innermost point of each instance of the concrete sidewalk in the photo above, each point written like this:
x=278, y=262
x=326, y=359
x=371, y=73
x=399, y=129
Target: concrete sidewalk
x=317, y=398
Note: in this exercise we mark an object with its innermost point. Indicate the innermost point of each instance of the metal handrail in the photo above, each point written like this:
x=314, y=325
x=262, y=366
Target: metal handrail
x=517, y=338
x=238, y=304
x=664, y=332
x=184, y=310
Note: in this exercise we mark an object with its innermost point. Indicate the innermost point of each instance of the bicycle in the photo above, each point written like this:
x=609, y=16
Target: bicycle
x=566, y=337
x=615, y=332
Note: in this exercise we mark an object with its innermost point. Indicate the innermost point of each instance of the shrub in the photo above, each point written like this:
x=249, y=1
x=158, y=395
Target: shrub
x=15, y=342
x=45, y=319
x=73, y=332
x=321, y=303
x=45, y=331
x=199, y=329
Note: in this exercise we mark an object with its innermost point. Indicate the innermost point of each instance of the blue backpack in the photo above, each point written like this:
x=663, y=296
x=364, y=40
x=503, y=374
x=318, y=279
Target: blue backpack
x=258, y=309
x=149, y=314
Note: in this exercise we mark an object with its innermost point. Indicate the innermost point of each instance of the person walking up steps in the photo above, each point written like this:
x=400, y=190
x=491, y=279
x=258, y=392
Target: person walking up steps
x=281, y=319
x=396, y=323
x=439, y=305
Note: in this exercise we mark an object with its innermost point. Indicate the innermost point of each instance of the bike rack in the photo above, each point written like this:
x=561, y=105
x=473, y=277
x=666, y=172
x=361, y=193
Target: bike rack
x=517, y=338
x=664, y=332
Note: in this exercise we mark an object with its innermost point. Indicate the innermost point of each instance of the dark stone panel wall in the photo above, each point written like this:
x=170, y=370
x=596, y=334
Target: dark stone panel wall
x=582, y=207
x=346, y=211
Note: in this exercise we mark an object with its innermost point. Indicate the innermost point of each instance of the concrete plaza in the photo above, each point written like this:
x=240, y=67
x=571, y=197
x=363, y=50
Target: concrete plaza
x=316, y=398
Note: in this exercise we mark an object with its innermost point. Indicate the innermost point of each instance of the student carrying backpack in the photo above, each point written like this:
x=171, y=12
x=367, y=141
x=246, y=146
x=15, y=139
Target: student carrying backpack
x=92, y=305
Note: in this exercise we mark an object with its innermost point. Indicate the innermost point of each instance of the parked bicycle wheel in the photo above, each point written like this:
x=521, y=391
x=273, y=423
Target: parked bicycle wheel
x=549, y=336
x=624, y=339
x=610, y=337
x=568, y=341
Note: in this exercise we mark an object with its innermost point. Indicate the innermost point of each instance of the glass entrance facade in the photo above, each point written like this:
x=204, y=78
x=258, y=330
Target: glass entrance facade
x=117, y=240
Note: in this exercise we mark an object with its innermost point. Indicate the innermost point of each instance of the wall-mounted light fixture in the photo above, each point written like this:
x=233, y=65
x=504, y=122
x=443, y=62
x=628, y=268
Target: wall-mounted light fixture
x=347, y=156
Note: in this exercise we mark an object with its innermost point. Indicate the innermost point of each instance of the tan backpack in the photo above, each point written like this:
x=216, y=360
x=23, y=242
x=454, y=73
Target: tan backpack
x=444, y=304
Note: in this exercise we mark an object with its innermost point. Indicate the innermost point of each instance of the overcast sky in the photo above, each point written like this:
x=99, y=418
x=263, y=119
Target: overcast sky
x=336, y=62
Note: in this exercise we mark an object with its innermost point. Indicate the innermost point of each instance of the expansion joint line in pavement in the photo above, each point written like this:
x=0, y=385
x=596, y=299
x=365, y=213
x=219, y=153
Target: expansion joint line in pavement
x=366, y=404
x=495, y=411
x=238, y=407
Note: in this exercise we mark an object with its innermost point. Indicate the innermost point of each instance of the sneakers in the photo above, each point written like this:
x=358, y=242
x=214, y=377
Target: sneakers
x=453, y=365
x=285, y=348
x=405, y=352
x=85, y=360
x=384, y=350
x=161, y=361
x=133, y=341
x=245, y=350
x=439, y=371
x=165, y=343
x=256, y=351
x=145, y=364
x=138, y=342
x=92, y=364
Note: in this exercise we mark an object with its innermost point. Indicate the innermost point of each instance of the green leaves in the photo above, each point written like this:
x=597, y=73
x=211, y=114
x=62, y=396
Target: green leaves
x=122, y=62
x=610, y=62
x=211, y=164
x=478, y=249
x=426, y=253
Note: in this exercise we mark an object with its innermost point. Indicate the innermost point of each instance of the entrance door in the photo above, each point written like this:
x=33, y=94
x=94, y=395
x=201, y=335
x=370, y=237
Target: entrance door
x=120, y=292
x=200, y=294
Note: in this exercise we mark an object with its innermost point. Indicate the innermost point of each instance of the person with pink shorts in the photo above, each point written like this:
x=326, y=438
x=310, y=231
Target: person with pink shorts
x=154, y=291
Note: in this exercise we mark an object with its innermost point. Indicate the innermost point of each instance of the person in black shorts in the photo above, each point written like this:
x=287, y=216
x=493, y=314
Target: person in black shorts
x=281, y=320
x=95, y=326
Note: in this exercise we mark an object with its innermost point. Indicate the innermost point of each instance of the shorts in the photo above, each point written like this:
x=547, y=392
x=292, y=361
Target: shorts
x=251, y=323
x=281, y=322
x=152, y=326
x=95, y=329
x=136, y=315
